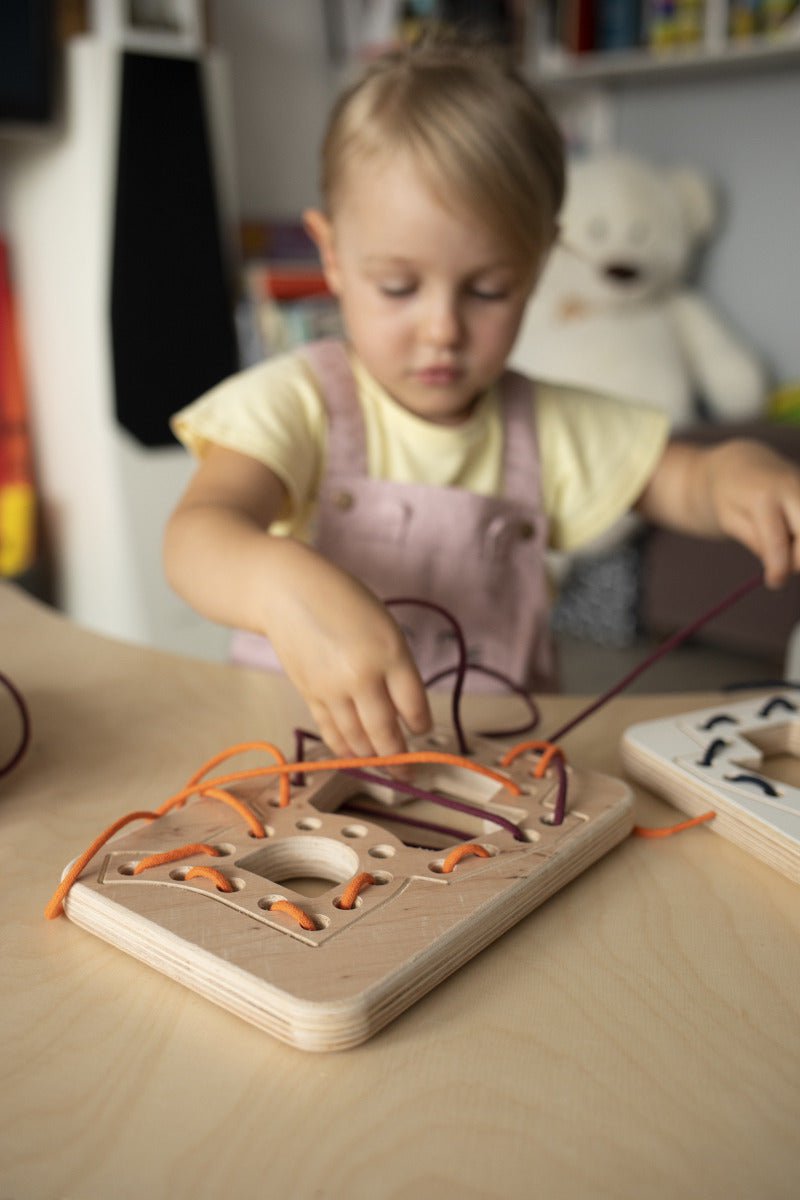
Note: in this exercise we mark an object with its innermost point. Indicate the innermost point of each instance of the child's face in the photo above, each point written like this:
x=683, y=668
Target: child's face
x=431, y=299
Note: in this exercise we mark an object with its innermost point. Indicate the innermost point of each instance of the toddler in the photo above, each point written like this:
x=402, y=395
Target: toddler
x=407, y=461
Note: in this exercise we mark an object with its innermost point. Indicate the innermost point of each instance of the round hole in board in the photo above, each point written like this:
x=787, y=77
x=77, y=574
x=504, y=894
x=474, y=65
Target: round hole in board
x=355, y=831
x=382, y=877
x=266, y=902
x=268, y=832
x=308, y=864
x=320, y=920
x=223, y=849
x=531, y=835
x=381, y=851
x=179, y=873
x=308, y=823
x=126, y=868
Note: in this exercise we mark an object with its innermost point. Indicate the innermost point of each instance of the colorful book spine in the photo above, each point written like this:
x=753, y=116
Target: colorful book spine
x=618, y=24
x=675, y=23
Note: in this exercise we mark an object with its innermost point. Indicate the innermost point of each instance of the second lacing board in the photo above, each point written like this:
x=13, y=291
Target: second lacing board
x=718, y=759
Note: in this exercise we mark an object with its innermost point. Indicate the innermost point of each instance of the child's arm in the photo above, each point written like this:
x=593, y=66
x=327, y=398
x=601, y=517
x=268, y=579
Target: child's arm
x=741, y=489
x=336, y=641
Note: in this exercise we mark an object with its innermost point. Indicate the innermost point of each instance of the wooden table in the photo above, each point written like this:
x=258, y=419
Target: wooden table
x=637, y=1036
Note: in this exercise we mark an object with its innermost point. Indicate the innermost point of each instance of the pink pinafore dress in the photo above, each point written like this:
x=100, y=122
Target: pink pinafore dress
x=482, y=558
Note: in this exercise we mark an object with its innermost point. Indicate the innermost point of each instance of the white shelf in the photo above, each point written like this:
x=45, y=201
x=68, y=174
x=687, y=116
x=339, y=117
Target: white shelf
x=554, y=68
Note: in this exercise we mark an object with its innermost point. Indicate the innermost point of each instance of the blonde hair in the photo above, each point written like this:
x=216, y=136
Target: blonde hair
x=481, y=135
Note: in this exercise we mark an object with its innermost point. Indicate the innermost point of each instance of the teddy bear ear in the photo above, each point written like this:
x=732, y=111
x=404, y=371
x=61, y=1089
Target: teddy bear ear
x=697, y=200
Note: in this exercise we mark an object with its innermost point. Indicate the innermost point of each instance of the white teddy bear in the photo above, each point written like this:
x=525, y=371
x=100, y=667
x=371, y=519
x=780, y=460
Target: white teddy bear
x=613, y=312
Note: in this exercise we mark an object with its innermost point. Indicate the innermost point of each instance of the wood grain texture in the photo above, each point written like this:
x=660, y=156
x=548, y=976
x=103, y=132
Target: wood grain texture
x=636, y=1038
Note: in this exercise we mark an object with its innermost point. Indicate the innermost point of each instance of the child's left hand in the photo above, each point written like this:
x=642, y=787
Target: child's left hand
x=740, y=489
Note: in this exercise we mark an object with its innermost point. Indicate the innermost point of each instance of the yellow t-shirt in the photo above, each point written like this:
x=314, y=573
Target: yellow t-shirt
x=597, y=453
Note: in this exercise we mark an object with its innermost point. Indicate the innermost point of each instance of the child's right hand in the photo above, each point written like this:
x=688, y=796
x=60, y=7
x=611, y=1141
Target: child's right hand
x=346, y=656
x=337, y=643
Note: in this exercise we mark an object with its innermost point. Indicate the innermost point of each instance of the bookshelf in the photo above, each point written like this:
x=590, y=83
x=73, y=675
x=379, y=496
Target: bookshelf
x=562, y=52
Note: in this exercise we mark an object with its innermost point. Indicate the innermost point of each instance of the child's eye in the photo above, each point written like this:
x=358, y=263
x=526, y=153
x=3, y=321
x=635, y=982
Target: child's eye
x=396, y=290
x=481, y=293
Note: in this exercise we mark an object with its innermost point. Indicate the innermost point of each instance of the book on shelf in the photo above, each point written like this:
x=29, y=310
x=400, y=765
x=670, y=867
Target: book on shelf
x=674, y=23
x=762, y=18
x=281, y=261
x=285, y=296
x=577, y=27
x=589, y=26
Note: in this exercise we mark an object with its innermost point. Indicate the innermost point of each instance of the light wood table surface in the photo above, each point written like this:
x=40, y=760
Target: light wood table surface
x=637, y=1036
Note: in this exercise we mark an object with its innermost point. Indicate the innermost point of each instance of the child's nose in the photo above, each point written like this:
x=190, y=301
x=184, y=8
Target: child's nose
x=443, y=322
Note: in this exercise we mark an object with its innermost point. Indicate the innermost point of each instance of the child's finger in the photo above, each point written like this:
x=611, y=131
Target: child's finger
x=380, y=720
x=355, y=736
x=793, y=519
x=776, y=544
x=328, y=730
x=410, y=699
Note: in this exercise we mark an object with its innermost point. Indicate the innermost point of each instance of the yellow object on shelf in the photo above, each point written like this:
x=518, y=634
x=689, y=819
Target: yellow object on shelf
x=784, y=403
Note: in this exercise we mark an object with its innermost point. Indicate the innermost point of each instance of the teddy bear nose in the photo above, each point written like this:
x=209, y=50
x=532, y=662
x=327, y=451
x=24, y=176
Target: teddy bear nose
x=622, y=272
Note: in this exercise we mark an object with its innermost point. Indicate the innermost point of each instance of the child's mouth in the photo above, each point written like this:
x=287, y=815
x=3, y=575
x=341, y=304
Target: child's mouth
x=438, y=376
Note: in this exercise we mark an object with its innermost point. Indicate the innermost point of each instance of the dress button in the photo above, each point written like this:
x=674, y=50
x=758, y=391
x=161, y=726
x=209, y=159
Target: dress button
x=344, y=500
x=526, y=530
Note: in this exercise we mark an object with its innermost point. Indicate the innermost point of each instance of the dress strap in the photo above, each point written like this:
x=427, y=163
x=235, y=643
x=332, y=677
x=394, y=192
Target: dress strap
x=346, y=444
x=521, y=467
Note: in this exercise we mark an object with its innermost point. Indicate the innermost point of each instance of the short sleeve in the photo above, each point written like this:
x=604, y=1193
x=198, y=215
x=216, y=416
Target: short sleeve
x=597, y=454
x=272, y=412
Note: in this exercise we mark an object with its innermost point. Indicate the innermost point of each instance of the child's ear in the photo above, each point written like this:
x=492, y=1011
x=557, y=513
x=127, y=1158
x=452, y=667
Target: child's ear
x=319, y=229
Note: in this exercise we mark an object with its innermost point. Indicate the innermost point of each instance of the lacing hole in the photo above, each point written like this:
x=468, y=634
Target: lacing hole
x=355, y=831
x=344, y=501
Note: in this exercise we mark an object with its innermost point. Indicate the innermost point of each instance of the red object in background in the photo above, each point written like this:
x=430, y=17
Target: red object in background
x=281, y=281
x=17, y=495
x=578, y=26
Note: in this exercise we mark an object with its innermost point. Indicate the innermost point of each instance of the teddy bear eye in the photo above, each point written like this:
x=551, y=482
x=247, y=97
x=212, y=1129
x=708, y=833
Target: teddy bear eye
x=597, y=229
x=638, y=233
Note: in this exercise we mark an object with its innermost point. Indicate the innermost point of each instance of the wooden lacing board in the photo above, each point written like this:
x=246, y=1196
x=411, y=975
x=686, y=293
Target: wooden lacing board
x=718, y=758
x=332, y=987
